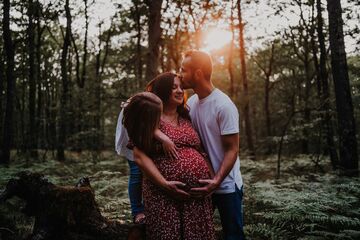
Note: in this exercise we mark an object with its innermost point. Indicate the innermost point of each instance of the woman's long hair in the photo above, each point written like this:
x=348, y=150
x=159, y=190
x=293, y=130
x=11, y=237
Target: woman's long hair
x=162, y=86
x=141, y=118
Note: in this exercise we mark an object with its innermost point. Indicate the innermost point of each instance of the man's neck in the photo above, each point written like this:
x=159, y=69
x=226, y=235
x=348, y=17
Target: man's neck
x=204, y=90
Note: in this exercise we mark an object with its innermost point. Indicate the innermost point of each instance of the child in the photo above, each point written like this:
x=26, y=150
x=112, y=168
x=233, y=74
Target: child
x=121, y=141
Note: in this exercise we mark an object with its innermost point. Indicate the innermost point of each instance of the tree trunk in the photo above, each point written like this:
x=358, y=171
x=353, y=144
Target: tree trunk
x=40, y=134
x=248, y=128
x=231, y=49
x=154, y=36
x=2, y=80
x=63, y=212
x=83, y=73
x=267, y=70
x=325, y=94
x=344, y=106
x=32, y=132
x=305, y=141
x=65, y=90
x=138, y=46
x=7, y=136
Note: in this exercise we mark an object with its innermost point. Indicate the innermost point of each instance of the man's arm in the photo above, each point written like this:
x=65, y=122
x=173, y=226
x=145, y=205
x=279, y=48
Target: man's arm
x=152, y=172
x=230, y=144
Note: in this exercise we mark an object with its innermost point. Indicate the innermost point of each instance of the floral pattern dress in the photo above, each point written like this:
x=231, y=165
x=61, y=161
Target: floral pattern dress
x=166, y=217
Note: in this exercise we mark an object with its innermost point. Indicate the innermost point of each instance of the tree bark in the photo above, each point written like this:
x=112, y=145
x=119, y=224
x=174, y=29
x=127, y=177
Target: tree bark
x=32, y=131
x=139, y=64
x=248, y=128
x=231, y=49
x=65, y=90
x=267, y=87
x=2, y=80
x=64, y=212
x=344, y=106
x=154, y=36
x=83, y=73
x=325, y=93
x=40, y=134
x=7, y=136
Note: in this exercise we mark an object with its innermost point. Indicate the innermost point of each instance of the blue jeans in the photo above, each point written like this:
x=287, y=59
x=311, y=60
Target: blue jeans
x=135, y=189
x=230, y=209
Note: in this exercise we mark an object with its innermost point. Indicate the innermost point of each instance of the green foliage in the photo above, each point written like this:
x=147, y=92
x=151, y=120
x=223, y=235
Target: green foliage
x=309, y=206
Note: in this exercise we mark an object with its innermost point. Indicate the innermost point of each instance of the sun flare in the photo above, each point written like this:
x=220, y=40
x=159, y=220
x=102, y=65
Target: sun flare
x=216, y=38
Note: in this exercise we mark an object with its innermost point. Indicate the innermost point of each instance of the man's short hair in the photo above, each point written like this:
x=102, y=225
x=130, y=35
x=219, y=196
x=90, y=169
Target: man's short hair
x=200, y=60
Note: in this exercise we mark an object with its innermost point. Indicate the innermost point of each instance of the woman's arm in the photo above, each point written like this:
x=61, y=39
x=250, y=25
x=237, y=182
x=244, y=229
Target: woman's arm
x=148, y=167
x=168, y=146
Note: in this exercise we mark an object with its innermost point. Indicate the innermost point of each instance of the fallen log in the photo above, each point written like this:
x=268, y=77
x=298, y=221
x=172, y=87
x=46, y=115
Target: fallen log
x=65, y=212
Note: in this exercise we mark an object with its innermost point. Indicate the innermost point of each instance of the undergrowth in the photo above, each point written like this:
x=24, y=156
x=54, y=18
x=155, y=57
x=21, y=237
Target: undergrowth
x=303, y=204
x=309, y=205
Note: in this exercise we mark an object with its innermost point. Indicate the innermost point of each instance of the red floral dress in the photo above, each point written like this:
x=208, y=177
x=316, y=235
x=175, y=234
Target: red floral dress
x=167, y=218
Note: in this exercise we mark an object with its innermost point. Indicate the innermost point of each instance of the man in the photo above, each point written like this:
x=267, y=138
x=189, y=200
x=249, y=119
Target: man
x=216, y=119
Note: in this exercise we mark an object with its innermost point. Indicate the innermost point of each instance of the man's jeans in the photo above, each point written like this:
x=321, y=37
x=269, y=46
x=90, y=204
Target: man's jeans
x=231, y=213
x=135, y=189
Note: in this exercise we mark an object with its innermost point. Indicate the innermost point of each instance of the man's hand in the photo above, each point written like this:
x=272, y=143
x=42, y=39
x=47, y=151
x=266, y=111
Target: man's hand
x=173, y=188
x=210, y=185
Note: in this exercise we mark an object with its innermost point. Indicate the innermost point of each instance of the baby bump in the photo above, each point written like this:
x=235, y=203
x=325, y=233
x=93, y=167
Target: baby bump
x=189, y=168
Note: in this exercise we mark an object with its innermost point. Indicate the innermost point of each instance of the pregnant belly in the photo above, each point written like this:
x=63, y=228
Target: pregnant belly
x=189, y=168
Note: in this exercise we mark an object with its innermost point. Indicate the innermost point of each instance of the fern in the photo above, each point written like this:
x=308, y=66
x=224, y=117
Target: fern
x=298, y=210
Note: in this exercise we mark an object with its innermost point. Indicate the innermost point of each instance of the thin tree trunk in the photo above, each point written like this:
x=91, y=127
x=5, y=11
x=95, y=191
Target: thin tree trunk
x=231, y=49
x=65, y=90
x=305, y=141
x=325, y=94
x=7, y=137
x=267, y=87
x=138, y=46
x=2, y=80
x=248, y=128
x=32, y=131
x=346, y=122
x=40, y=134
x=83, y=73
x=154, y=36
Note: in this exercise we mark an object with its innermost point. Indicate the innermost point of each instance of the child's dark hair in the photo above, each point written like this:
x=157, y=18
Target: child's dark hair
x=141, y=118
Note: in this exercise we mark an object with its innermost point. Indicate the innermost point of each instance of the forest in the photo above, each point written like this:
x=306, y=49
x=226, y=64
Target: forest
x=292, y=67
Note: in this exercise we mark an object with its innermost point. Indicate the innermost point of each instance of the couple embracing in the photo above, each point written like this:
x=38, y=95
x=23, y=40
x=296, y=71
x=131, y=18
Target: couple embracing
x=188, y=152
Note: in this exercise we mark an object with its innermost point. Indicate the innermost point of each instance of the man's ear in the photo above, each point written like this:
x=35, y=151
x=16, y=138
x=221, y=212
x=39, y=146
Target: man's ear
x=199, y=74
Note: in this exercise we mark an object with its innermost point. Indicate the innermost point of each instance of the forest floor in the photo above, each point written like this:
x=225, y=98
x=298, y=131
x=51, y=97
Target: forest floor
x=308, y=201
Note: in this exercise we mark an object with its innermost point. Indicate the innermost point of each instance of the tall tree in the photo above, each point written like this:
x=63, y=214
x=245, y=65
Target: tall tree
x=138, y=27
x=231, y=49
x=154, y=37
x=325, y=93
x=267, y=69
x=344, y=106
x=32, y=132
x=65, y=86
x=2, y=81
x=248, y=127
x=7, y=137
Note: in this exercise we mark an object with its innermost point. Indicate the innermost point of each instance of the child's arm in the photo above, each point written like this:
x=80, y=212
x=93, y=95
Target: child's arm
x=168, y=146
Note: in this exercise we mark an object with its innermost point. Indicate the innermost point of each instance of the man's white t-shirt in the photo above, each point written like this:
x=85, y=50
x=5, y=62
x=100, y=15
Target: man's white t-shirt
x=214, y=116
x=122, y=139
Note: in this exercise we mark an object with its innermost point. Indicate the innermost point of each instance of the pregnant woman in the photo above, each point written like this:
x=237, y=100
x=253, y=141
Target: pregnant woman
x=168, y=217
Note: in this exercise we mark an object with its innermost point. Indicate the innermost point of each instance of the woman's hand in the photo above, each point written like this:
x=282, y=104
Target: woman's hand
x=170, y=148
x=175, y=189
